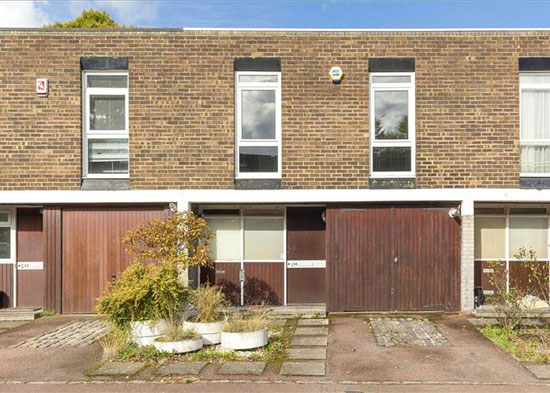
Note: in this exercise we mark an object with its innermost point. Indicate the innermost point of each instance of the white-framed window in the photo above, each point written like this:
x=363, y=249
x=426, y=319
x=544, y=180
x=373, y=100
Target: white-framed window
x=535, y=124
x=392, y=124
x=105, y=136
x=258, y=125
x=7, y=236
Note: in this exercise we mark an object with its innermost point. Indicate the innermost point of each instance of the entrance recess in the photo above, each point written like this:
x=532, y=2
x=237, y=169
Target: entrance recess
x=392, y=258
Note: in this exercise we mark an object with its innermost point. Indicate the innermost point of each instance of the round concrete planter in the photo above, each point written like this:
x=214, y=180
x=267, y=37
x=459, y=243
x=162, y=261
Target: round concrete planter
x=178, y=346
x=210, y=331
x=244, y=340
x=145, y=332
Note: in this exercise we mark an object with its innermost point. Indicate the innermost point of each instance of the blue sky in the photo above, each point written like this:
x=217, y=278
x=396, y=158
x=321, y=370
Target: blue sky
x=288, y=13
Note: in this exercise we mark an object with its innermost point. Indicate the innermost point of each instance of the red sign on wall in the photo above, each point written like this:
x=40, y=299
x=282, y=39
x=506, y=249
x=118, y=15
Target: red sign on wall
x=42, y=87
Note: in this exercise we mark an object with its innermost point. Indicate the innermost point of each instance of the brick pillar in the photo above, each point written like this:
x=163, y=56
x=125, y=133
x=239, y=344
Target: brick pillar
x=467, y=257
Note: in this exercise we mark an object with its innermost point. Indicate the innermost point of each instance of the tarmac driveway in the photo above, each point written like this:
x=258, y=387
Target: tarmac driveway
x=353, y=355
x=44, y=364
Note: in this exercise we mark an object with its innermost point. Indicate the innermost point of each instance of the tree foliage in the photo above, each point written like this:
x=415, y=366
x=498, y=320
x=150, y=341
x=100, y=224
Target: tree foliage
x=89, y=19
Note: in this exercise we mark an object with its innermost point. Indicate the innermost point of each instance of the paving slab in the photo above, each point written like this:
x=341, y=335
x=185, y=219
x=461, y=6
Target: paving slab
x=242, y=368
x=277, y=322
x=303, y=368
x=180, y=368
x=407, y=332
x=311, y=331
x=307, y=353
x=308, y=341
x=483, y=321
x=118, y=369
x=313, y=322
x=72, y=335
x=541, y=371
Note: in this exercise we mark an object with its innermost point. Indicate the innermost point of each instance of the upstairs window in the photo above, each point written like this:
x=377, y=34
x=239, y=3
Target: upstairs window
x=392, y=110
x=105, y=143
x=535, y=124
x=258, y=125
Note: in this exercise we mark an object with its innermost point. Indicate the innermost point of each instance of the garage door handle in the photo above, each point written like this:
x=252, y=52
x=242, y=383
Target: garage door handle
x=395, y=260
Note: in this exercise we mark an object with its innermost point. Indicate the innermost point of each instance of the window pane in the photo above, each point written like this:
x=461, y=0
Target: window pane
x=535, y=159
x=535, y=114
x=258, y=114
x=108, y=156
x=391, y=119
x=263, y=211
x=258, y=159
x=490, y=237
x=4, y=217
x=5, y=239
x=226, y=245
x=391, y=79
x=107, y=113
x=534, y=78
x=529, y=232
x=391, y=159
x=119, y=81
x=263, y=239
x=258, y=78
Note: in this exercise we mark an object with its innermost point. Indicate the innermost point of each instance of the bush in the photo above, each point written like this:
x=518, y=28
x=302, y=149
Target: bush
x=143, y=293
x=209, y=302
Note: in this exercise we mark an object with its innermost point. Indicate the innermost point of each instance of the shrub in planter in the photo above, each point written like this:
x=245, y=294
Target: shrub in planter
x=143, y=296
x=176, y=339
x=208, y=302
x=246, y=331
x=152, y=288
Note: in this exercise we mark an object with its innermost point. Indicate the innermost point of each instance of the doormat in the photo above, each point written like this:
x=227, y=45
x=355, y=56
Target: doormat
x=407, y=332
x=71, y=335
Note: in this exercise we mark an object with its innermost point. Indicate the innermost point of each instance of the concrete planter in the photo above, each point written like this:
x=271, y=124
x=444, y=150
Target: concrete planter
x=244, y=340
x=210, y=331
x=145, y=332
x=178, y=346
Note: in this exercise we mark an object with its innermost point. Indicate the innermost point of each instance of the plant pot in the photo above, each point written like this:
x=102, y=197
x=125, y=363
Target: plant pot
x=145, y=332
x=210, y=331
x=244, y=340
x=178, y=346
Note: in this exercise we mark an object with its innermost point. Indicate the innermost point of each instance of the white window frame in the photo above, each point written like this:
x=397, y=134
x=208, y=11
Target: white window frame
x=531, y=142
x=103, y=134
x=240, y=142
x=411, y=141
x=10, y=224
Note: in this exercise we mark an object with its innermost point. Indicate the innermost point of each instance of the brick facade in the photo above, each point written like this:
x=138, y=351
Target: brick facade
x=182, y=105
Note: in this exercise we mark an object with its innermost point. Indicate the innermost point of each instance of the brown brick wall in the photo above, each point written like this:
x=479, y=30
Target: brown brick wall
x=182, y=105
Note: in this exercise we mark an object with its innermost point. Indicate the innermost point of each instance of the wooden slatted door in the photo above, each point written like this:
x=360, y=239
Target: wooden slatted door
x=92, y=254
x=387, y=258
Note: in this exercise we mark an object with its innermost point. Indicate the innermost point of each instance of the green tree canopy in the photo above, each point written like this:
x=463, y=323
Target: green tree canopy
x=89, y=19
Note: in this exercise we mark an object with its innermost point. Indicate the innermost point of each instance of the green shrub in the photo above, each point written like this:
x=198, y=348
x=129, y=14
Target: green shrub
x=208, y=301
x=143, y=293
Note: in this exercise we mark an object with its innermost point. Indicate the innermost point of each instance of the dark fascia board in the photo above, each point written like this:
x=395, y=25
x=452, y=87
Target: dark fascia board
x=257, y=64
x=391, y=64
x=104, y=63
x=534, y=63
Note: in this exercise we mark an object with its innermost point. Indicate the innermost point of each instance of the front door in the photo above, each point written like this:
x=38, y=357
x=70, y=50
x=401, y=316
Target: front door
x=392, y=258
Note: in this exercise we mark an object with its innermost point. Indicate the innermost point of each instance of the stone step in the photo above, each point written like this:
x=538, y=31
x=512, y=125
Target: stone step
x=19, y=313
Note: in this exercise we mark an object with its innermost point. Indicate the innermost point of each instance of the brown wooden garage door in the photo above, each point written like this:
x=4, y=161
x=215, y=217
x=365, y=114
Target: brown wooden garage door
x=92, y=255
x=386, y=258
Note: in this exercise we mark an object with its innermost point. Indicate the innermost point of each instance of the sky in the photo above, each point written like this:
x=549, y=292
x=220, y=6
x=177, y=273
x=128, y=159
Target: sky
x=288, y=13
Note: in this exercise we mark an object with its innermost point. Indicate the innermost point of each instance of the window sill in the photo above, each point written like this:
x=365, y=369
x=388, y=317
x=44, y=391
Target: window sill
x=392, y=183
x=534, y=182
x=258, y=184
x=106, y=184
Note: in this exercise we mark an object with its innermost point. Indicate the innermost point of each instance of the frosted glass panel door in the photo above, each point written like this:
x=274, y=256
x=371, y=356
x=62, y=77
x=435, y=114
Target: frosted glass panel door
x=264, y=239
x=226, y=245
x=529, y=232
x=490, y=237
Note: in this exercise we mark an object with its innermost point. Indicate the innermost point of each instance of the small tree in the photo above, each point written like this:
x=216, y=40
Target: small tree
x=89, y=19
x=509, y=294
